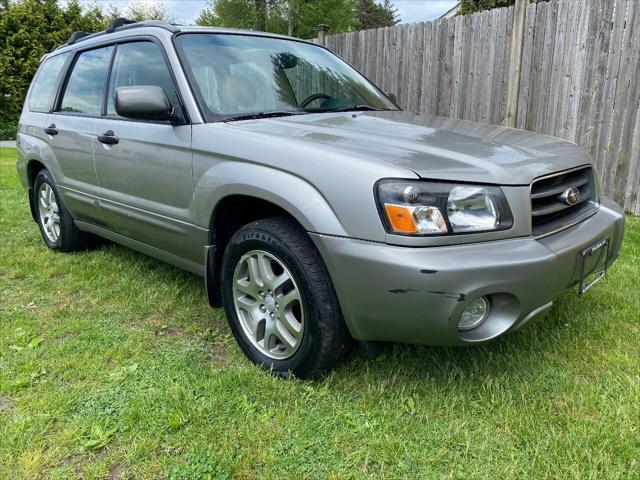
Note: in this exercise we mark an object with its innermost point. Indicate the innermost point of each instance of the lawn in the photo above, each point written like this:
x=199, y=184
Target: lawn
x=112, y=365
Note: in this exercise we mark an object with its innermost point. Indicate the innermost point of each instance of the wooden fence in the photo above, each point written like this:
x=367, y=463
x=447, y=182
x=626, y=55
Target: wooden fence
x=569, y=68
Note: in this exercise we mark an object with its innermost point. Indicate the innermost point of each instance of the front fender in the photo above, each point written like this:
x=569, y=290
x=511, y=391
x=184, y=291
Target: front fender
x=289, y=192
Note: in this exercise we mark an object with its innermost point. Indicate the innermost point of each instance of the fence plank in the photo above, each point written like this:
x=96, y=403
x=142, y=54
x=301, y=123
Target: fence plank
x=531, y=100
x=426, y=64
x=613, y=65
x=600, y=16
x=525, y=69
x=624, y=117
x=499, y=69
x=632, y=197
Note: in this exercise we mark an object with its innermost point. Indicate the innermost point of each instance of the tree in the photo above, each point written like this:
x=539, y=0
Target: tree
x=293, y=17
x=228, y=13
x=148, y=10
x=28, y=30
x=261, y=15
x=338, y=14
x=372, y=14
x=473, y=6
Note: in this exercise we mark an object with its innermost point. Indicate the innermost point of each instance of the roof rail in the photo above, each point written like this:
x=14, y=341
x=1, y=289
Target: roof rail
x=75, y=36
x=119, y=24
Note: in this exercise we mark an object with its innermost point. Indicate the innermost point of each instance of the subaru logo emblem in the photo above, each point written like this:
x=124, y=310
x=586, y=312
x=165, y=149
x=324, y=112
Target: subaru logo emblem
x=571, y=196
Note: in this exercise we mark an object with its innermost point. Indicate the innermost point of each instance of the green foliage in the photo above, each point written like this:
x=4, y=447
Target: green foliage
x=28, y=30
x=474, y=6
x=293, y=17
x=142, y=10
x=338, y=14
x=228, y=13
x=203, y=465
x=372, y=14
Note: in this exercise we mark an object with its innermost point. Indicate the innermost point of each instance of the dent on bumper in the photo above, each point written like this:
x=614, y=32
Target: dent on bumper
x=416, y=295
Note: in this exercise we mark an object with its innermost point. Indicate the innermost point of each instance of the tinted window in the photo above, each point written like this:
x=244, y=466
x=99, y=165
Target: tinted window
x=140, y=63
x=86, y=83
x=44, y=86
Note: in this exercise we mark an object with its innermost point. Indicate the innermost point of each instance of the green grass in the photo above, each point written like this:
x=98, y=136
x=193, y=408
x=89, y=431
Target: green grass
x=113, y=366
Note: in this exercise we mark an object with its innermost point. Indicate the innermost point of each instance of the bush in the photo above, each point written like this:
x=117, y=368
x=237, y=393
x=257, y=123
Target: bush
x=8, y=130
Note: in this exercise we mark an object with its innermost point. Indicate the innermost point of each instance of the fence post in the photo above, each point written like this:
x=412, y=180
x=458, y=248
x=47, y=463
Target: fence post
x=322, y=30
x=515, y=63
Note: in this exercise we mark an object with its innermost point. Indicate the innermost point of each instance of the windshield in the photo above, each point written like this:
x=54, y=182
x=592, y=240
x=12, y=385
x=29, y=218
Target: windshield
x=244, y=75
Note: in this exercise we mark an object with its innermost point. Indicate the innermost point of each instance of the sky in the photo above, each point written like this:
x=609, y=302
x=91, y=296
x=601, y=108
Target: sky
x=410, y=10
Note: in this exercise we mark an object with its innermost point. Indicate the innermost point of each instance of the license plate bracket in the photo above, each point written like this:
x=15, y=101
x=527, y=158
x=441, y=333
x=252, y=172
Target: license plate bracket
x=597, y=269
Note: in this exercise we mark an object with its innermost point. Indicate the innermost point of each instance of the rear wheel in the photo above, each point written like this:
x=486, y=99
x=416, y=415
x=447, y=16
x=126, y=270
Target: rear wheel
x=58, y=230
x=280, y=301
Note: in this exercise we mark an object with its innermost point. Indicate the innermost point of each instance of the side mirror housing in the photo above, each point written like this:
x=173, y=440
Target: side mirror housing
x=144, y=102
x=392, y=97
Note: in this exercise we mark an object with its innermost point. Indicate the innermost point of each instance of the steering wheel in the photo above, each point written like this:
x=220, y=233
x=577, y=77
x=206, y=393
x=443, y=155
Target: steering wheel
x=313, y=97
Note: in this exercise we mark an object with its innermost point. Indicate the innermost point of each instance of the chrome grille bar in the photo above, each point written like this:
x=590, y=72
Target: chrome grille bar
x=561, y=200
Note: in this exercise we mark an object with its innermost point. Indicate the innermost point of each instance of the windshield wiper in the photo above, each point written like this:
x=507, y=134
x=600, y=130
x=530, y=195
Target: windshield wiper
x=356, y=108
x=254, y=116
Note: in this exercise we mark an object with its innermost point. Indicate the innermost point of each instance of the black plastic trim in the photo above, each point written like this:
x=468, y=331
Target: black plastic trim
x=116, y=26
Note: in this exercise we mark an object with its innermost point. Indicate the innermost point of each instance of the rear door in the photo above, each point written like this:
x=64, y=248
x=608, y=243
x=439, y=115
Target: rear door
x=145, y=178
x=72, y=131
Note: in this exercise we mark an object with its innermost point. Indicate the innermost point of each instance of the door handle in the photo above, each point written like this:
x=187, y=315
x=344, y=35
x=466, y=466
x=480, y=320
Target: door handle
x=51, y=130
x=108, y=138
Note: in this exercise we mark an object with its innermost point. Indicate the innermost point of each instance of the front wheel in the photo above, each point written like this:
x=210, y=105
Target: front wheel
x=280, y=301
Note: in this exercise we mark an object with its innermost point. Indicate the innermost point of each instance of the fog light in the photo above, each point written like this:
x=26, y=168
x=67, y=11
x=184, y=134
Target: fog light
x=476, y=313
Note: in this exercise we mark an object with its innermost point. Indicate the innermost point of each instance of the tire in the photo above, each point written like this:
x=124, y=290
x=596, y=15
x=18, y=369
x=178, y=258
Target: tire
x=57, y=227
x=308, y=334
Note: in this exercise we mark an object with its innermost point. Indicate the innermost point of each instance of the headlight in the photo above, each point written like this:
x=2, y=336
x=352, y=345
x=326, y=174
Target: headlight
x=439, y=208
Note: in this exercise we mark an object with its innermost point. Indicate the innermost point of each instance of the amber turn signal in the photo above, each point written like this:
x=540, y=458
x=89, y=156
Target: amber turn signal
x=401, y=219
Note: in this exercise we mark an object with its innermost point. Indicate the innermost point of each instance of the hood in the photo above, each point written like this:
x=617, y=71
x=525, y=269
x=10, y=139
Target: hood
x=433, y=147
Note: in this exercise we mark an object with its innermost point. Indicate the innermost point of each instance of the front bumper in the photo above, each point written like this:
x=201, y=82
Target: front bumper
x=416, y=295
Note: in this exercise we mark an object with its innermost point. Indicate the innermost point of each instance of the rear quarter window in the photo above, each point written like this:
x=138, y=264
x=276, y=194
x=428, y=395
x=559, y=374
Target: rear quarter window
x=44, y=86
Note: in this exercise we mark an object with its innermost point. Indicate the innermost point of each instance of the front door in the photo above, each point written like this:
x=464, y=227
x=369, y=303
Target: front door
x=144, y=168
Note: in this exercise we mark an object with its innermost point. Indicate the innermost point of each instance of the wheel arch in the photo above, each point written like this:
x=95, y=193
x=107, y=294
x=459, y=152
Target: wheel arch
x=256, y=191
x=227, y=217
x=34, y=166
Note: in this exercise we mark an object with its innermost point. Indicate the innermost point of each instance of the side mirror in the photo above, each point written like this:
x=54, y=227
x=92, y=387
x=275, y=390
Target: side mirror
x=144, y=102
x=392, y=97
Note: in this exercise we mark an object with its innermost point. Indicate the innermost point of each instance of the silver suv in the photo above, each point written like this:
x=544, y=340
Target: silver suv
x=316, y=210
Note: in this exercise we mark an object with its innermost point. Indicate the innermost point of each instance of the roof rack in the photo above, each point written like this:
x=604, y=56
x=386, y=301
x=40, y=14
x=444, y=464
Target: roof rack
x=75, y=36
x=119, y=24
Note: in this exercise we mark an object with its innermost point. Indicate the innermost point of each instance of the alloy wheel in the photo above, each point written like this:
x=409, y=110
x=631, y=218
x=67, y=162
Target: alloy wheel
x=49, y=212
x=268, y=304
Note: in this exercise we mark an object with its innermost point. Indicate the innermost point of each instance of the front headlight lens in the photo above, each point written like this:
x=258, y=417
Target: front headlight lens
x=472, y=209
x=438, y=208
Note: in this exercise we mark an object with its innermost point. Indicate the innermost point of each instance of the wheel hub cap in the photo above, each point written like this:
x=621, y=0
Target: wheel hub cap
x=268, y=304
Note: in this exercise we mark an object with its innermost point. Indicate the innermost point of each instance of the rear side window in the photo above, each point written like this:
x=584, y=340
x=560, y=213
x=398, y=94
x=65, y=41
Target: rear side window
x=85, y=87
x=140, y=63
x=44, y=86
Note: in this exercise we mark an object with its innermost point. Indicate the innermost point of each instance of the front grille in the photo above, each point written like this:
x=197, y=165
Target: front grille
x=550, y=209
